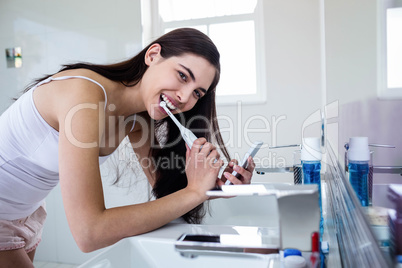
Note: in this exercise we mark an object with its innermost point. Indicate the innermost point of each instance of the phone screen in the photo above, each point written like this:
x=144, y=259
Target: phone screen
x=203, y=238
x=225, y=242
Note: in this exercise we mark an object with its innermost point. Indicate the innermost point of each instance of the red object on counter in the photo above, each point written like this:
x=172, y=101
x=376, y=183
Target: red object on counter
x=315, y=250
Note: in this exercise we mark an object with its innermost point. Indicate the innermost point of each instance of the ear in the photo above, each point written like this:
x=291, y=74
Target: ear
x=152, y=54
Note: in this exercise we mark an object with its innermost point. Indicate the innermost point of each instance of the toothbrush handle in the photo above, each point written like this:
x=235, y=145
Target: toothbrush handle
x=188, y=136
x=174, y=118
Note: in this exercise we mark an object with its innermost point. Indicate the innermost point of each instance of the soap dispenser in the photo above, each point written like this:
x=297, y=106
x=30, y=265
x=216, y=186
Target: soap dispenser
x=358, y=167
x=311, y=161
x=311, y=166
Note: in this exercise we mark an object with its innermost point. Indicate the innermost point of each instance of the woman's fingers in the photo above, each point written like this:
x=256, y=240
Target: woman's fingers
x=244, y=175
x=206, y=152
x=203, y=165
x=251, y=165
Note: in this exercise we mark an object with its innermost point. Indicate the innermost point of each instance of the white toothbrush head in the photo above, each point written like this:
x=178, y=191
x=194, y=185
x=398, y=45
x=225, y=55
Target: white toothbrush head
x=164, y=106
x=187, y=135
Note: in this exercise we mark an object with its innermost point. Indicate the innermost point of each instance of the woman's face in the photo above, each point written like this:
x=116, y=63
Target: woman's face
x=179, y=81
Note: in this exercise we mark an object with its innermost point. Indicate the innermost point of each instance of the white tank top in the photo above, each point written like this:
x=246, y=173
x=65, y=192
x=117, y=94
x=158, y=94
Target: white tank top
x=29, y=167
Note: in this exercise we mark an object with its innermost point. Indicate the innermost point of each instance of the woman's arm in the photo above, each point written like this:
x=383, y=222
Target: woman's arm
x=80, y=117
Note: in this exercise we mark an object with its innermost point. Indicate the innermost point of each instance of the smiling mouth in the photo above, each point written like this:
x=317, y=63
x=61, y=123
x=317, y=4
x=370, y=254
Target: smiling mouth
x=168, y=102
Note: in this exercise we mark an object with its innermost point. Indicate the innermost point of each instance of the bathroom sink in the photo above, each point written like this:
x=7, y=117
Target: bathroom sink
x=162, y=253
x=157, y=249
x=244, y=216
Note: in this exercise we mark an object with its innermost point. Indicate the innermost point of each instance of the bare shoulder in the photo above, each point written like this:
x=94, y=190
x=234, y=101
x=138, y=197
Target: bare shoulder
x=53, y=100
x=79, y=85
x=84, y=73
x=78, y=90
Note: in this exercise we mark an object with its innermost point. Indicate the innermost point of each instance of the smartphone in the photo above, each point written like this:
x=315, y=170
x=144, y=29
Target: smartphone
x=226, y=243
x=251, y=152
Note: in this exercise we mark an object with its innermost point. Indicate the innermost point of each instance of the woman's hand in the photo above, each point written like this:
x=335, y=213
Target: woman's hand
x=202, y=166
x=244, y=174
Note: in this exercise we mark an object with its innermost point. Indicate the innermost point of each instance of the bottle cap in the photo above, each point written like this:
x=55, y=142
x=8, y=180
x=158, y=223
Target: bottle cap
x=358, y=149
x=291, y=252
x=311, y=149
x=295, y=262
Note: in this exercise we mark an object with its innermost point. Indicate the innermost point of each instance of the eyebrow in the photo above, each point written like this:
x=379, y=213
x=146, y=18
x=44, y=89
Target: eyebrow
x=189, y=71
x=193, y=77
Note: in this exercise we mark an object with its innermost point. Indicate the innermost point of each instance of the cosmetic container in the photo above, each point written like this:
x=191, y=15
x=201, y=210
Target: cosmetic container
x=311, y=166
x=373, y=169
x=291, y=252
x=395, y=219
x=358, y=167
x=293, y=259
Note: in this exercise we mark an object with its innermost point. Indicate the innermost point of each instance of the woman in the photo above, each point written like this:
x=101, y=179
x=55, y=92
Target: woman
x=66, y=124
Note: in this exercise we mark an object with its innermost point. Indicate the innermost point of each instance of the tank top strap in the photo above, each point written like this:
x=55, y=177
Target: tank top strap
x=75, y=76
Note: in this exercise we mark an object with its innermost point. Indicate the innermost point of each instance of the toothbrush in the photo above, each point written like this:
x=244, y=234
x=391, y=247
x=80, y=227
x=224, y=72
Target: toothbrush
x=187, y=135
x=189, y=138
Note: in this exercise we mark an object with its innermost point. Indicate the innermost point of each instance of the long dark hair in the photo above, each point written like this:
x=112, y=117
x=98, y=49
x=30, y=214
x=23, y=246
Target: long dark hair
x=175, y=43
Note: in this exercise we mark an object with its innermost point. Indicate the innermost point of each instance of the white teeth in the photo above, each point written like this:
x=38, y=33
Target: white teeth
x=168, y=103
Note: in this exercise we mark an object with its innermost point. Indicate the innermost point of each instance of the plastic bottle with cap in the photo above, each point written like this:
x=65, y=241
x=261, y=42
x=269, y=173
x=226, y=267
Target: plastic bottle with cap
x=291, y=252
x=293, y=259
x=358, y=159
x=311, y=166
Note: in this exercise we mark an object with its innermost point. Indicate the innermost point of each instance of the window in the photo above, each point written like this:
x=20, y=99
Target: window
x=235, y=26
x=390, y=49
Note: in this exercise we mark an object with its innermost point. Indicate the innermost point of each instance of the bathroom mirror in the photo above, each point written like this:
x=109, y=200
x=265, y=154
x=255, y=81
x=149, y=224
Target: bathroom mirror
x=389, y=49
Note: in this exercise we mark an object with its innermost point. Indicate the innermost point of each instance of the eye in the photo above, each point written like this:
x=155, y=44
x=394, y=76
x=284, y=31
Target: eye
x=182, y=76
x=198, y=94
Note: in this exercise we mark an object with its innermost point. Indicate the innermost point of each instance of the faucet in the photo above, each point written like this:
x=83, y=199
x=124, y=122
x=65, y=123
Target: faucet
x=263, y=170
x=295, y=169
x=376, y=169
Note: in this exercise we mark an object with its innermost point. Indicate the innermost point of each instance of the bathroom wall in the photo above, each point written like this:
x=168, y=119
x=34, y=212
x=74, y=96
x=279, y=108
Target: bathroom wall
x=52, y=33
x=351, y=31
x=56, y=32
x=292, y=58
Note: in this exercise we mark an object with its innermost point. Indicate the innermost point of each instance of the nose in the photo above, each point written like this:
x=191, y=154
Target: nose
x=184, y=95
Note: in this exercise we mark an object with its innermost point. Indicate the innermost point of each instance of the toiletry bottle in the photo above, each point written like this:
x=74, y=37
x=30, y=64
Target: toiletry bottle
x=311, y=166
x=395, y=219
x=291, y=252
x=293, y=259
x=358, y=166
x=294, y=262
x=315, y=251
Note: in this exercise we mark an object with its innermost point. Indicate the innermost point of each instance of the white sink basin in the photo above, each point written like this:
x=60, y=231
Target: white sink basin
x=242, y=215
x=157, y=249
